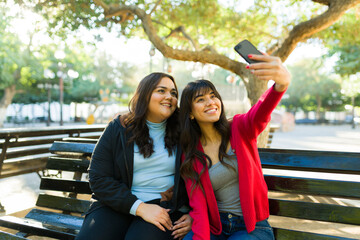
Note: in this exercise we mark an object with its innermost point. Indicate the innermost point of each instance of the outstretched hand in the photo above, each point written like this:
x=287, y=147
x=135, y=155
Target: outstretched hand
x=156, y=215
x=270, y=68
x=182, y=226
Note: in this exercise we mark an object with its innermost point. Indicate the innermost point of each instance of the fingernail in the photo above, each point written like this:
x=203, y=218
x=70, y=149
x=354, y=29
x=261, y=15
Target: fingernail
x=250, y=55
x=252, y=71
x=247, y=66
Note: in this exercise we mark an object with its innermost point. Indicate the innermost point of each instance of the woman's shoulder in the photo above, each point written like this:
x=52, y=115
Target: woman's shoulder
x=237, y=118
x=118, y=122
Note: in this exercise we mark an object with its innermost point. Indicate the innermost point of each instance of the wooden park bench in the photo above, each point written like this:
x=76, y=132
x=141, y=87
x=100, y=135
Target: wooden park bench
x=290, y=193
x=59, y=212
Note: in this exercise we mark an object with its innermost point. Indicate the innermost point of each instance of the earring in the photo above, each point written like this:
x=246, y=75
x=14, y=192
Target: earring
x=191, y=118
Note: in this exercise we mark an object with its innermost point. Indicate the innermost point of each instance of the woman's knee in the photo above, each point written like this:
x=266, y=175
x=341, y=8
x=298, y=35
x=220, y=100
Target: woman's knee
x=104, y=223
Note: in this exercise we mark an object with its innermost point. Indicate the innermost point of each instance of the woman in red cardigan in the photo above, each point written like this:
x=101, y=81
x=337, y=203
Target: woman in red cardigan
x=221, y=165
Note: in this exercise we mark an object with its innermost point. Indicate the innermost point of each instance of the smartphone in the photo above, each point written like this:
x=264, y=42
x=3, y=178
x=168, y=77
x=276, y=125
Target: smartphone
x=244, y=48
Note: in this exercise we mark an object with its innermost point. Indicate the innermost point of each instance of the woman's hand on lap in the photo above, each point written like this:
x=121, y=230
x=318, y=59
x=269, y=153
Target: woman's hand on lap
x=182, y=226
x=155, y=214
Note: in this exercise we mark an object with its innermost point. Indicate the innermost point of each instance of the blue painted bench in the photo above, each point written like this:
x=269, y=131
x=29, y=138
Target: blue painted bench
x=290, y=195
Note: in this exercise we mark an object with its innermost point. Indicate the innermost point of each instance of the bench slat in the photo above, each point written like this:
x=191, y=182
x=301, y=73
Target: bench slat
x=27, y=152
x=68, y=164
x=63, y=203
x=312, y=186
x=315, y=211
x=286, y=234
x=9, y=236
x=317, y=161
x=65, y=147
x=72, y=224
x=31, y=164
x=32, y=142
x=65, y=185
x=36, y=228
x=81, y=140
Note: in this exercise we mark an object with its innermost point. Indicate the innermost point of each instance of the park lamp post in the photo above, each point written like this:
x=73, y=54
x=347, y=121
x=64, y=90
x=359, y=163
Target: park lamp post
x=60, y=55
x=48, y=74
x=151, y=53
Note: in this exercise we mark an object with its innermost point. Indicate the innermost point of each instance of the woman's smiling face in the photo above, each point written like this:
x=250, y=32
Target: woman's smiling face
x=163, y=101
x=206, y=107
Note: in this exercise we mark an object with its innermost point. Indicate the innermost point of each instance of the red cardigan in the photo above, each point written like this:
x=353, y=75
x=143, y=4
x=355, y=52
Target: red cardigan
x=245, y=129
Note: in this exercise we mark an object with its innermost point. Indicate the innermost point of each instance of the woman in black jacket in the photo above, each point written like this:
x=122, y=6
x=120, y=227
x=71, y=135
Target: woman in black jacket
x=134, y=170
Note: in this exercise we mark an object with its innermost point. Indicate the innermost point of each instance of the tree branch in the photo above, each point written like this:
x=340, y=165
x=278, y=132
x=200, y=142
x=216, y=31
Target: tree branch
x=254, y=87
x=305, y=30
x=102, y=4
x=203, y=56
x=156, y=5
x=324, y=2
x=114, y=10
x=187, y=36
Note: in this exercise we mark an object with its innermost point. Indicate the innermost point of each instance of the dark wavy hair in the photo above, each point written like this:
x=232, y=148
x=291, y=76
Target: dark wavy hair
x=191, y=132
x=135, y=121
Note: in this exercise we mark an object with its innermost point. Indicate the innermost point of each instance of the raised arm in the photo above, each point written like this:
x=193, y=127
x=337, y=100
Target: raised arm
x=257, y=118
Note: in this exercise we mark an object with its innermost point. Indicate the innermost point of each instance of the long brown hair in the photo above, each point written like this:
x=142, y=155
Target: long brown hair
x=135, y=121
x=191, y=132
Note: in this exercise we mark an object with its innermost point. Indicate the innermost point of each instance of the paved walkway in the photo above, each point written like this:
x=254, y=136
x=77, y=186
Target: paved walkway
x=319, y=137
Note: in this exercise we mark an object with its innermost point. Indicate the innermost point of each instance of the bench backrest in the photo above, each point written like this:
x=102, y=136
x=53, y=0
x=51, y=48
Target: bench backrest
x=296, y=175
x=26, y=150
x=72, y=159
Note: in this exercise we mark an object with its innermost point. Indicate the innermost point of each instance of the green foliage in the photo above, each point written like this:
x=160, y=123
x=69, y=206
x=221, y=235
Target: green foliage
x=18, y=66
x=343, y=42
x=348, y=59
x=312, y=87
x=344, y=32
x=209, y=22
x=83, y=73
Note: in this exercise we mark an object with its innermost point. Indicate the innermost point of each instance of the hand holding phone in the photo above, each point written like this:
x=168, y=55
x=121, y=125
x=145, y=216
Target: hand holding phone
x=244, y=48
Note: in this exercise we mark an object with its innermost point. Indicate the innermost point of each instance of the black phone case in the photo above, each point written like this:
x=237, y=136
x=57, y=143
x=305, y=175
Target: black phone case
x=244, y=48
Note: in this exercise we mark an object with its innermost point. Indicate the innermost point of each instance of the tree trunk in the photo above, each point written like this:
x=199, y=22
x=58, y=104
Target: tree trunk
x=318, y=108
x=5, y=101
x=256, y=89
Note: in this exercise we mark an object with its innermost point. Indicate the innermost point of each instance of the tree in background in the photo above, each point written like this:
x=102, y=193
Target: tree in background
x=19, y=68
x=33, y=69
x=204, y=30
x=120, y=78
x=344, y=45
x=313, y=89
x=348, y=66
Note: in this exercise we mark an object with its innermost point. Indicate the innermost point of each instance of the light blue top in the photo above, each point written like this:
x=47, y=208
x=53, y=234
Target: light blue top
x=154, y=174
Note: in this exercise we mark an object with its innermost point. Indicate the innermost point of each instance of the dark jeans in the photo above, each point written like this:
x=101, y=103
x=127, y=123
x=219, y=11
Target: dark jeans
x=233, y=227
x=106, y=224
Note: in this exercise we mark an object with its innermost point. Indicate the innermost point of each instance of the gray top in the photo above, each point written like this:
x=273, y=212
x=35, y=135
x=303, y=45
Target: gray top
x=225, y=183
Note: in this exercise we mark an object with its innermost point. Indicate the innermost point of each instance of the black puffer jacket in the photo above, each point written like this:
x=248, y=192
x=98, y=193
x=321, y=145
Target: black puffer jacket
x=111, y=172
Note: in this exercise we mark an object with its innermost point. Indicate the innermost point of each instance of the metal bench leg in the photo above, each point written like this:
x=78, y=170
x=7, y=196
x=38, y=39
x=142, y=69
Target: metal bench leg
x=2, y=209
